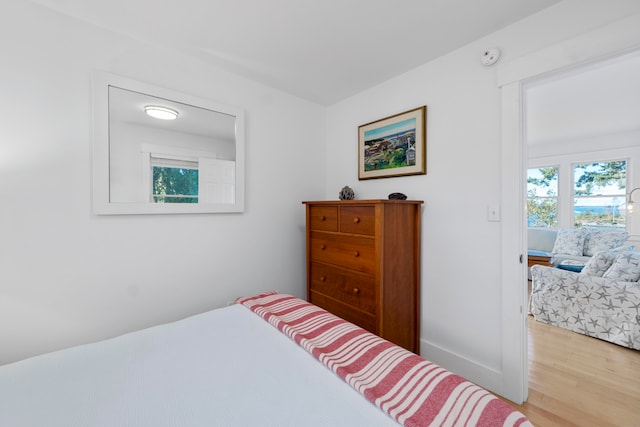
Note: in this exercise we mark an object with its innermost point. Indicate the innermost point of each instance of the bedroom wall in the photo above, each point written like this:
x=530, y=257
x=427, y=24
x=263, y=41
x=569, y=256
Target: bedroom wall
x=70, y=277
x=461, y=250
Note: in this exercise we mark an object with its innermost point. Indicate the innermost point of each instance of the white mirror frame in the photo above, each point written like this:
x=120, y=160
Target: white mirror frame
x=102, y=204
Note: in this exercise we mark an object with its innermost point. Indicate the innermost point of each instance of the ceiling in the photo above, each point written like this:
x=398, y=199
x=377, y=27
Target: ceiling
x=126, y=106
x=323, y=51
x=595, y=100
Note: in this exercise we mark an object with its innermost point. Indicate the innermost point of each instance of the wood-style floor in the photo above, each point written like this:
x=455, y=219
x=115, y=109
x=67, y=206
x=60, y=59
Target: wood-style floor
x=575, y=380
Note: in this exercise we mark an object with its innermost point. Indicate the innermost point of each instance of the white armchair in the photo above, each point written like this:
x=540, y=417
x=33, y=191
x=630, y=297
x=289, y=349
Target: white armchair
x=603, y=301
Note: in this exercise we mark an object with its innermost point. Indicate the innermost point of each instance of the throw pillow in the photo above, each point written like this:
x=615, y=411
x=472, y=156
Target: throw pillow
x=626, y=267
x=601, y=240
x=570, y=241
x=601, y=261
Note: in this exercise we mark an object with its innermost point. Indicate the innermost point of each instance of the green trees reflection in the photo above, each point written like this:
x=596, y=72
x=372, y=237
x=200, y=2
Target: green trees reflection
x=175, y=185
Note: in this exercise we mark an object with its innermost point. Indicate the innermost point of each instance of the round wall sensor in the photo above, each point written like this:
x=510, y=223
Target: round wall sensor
x=490, y=56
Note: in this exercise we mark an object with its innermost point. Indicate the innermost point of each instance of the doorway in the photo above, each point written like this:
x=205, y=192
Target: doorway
x=590, y=48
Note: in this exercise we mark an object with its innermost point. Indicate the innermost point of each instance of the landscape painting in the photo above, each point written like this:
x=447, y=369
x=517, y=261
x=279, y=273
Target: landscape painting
x=393, y=146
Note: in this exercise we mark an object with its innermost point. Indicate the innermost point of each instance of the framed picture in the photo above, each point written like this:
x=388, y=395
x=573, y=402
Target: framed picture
x=393, y=146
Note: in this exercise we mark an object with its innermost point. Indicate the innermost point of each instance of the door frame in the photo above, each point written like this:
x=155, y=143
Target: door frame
x=616, y=39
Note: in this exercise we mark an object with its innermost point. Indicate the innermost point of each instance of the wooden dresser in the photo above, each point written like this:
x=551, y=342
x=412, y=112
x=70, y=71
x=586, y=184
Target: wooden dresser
x=363, y=264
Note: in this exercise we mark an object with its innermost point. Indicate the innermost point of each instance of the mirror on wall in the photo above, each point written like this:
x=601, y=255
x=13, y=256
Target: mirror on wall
x=157, y=151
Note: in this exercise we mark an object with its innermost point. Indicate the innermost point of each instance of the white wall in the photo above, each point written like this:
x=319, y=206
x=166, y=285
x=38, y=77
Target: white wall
x=461, y=257
x=69, y=277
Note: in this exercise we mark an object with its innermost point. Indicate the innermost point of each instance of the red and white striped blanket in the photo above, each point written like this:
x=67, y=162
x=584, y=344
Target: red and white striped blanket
x=412, y=390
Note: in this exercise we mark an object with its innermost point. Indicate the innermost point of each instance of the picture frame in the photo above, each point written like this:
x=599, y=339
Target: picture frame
x=393, y=146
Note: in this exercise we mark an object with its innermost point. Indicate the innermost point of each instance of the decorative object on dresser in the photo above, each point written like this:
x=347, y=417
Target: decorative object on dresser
x=363, y=264
x=397, y=196
x=347, y=193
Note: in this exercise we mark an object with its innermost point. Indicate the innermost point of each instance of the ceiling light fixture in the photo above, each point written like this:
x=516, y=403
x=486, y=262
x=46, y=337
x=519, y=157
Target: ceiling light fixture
x=162, y=113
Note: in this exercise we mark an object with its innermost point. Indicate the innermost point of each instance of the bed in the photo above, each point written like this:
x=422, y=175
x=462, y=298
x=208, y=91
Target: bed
x=268, y=360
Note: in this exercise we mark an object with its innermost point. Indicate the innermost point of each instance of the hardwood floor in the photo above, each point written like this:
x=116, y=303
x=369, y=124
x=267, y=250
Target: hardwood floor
x=575, y=380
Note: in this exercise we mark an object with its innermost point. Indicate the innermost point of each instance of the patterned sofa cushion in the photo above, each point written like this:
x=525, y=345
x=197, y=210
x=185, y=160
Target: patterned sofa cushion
x=602, y=240
x=570, y=241
x=625, y=268
x=601, y=261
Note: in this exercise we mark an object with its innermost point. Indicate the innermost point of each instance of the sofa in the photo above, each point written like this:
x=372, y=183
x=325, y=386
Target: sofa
x=601, y=301
x=572, y=246
x=540, y=241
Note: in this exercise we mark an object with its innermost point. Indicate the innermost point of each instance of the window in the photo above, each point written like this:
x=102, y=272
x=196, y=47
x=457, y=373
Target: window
x=542, y=197
x=172, y=176
x=599, y=195
x=174, y=181
x=578, y=194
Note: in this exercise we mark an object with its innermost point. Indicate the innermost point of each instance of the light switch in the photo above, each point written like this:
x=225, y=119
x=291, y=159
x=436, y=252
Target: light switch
x=493, y=212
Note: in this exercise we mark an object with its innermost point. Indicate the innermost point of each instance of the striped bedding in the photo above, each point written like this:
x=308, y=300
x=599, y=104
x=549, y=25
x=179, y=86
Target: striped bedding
x=410, y=389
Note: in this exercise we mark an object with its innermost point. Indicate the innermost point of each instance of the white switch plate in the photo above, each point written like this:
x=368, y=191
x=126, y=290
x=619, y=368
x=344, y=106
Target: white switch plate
x=493, y=212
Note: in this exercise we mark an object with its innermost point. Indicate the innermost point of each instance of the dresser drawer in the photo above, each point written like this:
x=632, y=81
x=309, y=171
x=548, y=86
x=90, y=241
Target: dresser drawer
x=357, y=253
x=324, y=218
x=358, y=220
x=357, y=290
x=345, y=311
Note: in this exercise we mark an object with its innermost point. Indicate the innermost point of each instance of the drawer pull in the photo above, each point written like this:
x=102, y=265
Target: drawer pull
x=323, y=246
x=323, y=218
x=356, y=254
x=356, y=291
x=356, y=220
x=323, y=279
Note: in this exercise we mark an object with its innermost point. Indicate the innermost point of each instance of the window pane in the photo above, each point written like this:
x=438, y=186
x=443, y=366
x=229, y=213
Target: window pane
x=175, y=185
x=542, y=197
x=542, y=182
x=606, y=178
x=599, y=212
x=599, y=195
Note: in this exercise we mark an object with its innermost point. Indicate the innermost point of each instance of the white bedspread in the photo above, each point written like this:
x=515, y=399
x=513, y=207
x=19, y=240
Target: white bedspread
x=226, y=367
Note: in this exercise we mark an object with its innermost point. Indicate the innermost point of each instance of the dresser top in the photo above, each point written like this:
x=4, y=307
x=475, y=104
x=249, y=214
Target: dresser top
x=362, y=202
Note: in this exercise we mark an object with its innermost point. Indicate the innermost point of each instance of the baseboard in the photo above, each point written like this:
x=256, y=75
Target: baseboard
x=477, y=373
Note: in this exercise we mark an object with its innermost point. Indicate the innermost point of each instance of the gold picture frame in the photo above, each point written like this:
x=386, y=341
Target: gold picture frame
x=393, y=146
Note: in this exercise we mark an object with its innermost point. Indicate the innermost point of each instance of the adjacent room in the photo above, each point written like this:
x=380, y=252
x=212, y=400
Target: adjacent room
x=582, y=145
x=517, y=124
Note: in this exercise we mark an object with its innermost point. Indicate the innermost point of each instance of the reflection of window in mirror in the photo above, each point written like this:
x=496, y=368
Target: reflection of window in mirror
x=178, y=175
x=174, y=181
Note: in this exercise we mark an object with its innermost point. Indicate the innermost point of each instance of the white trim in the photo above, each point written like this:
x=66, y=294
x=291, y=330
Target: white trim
x=168, y=152
x=513, y=254
x=611, y=40
x=490, y=378
x=146, y=191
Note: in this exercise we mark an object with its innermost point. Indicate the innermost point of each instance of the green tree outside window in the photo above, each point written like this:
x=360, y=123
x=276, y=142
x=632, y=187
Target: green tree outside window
x=175, y=185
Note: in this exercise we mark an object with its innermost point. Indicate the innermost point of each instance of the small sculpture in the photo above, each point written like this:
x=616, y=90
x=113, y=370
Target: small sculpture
x=346, y=193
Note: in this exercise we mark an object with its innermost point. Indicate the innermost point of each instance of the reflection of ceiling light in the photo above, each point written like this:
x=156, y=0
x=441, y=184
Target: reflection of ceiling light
x=162, y=113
